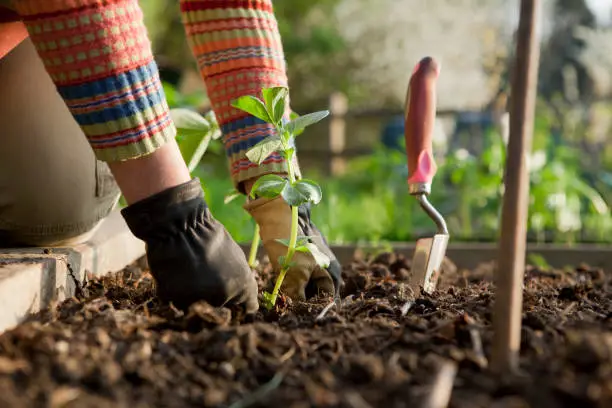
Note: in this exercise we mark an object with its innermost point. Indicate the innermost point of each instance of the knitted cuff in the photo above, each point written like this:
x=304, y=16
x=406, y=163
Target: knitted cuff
x=238, y=50
x=99, y=56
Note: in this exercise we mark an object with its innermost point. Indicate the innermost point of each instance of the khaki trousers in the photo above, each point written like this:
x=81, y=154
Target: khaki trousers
x=52, y=189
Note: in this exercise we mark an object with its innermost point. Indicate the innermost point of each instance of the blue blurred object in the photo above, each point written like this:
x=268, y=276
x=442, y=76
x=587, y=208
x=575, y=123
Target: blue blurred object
x=393, y=133
x=470, y=119
x=470, y=124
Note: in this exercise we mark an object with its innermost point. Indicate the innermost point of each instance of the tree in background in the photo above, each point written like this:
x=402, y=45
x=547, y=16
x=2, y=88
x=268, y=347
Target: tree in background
x=317, y=56
x=319, y=61
x=365, y=48
x=576, y=81
x=562, y=72
x=163, y=21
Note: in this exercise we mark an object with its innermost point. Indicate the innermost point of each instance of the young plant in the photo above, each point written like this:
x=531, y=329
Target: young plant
x=271, y=109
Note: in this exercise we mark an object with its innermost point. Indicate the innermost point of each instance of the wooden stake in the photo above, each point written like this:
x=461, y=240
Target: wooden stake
x=511, y=265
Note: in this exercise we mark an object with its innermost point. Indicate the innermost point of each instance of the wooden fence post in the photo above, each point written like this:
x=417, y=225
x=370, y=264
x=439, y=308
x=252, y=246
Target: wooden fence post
x=338, y=107
x=507, y=311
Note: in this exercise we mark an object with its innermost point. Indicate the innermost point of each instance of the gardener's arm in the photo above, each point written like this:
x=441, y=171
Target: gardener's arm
x=99, y=57
x=239, y=52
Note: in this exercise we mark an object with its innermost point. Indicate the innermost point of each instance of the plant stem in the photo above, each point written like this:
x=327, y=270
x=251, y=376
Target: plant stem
x=294, y=211
x=293, y=234
x=254, y=246
x=277, y=285
x=290, y=167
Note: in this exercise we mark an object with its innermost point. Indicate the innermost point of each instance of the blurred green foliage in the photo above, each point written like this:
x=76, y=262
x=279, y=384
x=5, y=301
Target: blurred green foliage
x=370, y=203
x=316, y=53
x=570, y=191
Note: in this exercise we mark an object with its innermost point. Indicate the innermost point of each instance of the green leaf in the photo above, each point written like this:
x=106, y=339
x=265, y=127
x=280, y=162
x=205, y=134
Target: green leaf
x=281, y=95
x=193, y=135
x=293, y=197
x=260, y=152
x=189, y=121
x=198, y=153
x=302, y=122
x=320, y=258
x=214, y=125
x=269, y=186
x=215, y=134
x=275, y=101
x=231, y=196
x=270, y=94
x=280, y=103
x=301, y=192
x=293, y=116
x=283, y=241
x=279, y=110
x=252, y=105
x=282, y=260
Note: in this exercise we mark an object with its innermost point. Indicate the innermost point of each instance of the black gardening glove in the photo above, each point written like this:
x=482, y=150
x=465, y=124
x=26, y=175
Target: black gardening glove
x=191, y=255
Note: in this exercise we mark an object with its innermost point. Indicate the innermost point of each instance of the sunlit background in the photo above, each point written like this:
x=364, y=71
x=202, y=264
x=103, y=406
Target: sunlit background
x=363, y=51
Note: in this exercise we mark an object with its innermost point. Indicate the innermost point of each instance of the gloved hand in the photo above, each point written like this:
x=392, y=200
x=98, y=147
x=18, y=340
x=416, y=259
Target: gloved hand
x=305, y=278
x=191, y=255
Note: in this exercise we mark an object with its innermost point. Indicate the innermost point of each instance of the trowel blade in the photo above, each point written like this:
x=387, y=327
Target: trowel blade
x=427, y=262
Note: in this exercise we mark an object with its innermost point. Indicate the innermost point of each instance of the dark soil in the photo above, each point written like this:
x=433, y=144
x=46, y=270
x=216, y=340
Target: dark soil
x=116, y=346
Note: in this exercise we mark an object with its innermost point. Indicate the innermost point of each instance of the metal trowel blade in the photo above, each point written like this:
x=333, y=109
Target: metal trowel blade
x=427, y=262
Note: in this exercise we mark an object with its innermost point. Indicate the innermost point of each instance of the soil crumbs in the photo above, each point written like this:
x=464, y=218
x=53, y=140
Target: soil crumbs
x=383, y=346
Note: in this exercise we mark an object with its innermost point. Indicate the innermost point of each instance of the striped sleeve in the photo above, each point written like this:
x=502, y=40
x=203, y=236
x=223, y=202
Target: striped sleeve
x=238, y=50
x=98, y=54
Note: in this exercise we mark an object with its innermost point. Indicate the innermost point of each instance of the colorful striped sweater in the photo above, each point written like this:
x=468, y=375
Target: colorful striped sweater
x=99, y=55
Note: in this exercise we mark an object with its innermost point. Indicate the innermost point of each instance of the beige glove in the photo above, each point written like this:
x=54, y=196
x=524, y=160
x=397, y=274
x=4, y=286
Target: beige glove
x=274, y=219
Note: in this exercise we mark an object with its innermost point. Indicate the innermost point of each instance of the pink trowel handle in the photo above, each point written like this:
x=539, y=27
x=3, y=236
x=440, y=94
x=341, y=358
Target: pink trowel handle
x=419, y=123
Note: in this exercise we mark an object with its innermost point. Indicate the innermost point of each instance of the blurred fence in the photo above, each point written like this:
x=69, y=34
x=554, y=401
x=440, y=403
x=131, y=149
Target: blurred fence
x=348, y=133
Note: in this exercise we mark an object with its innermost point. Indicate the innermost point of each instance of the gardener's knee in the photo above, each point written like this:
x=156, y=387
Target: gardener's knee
x=51, y=186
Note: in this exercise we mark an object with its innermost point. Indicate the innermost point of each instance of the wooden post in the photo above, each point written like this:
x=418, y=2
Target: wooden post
x=509, y=276
x=338, y=106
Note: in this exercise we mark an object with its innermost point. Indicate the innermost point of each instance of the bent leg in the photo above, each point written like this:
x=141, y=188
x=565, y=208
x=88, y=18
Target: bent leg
x=52, y=189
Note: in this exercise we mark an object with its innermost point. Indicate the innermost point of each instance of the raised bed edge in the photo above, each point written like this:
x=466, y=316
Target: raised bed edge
x=31, y=279
x=470, y=255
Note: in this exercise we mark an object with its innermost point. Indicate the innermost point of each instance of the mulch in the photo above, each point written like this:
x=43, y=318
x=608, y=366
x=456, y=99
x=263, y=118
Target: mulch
x=115, y=345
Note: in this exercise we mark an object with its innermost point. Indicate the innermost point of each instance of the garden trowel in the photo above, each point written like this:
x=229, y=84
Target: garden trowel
x=419, y=126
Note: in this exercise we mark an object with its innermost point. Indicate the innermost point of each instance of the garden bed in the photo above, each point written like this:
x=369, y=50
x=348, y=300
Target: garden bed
x=116, y=346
